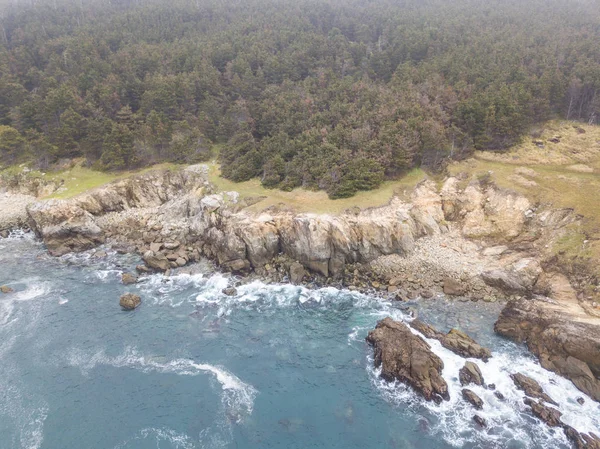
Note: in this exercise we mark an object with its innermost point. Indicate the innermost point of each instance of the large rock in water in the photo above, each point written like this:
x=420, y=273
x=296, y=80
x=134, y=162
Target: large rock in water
x=549, y=415
x=129, y=301
x=472, y=398
x=455, y=340
x=531, y=387
x=567, y=346
x=407, y=357
x=470, y=374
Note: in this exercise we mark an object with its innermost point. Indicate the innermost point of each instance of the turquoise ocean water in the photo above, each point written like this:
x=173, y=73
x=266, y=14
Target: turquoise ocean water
x=275, y=367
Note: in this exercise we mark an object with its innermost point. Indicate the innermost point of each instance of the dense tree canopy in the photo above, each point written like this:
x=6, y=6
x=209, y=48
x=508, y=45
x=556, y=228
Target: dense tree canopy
x=324, y=94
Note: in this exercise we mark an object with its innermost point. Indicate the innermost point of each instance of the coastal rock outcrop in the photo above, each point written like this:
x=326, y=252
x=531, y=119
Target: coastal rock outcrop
x=404, y=356
x=565, y=343
x=64, y=226
x=549, y=415
x=455, y=340
x=531, y=387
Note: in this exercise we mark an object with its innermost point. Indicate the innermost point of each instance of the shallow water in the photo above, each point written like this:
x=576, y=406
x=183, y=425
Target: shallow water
x=275, y=367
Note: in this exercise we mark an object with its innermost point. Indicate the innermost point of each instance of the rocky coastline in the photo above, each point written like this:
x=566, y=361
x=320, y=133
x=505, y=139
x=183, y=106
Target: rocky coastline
x=465, y=239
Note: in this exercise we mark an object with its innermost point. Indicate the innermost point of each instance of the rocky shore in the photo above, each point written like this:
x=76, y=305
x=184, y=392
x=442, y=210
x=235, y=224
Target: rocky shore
x=464, y=239
x=405, y=355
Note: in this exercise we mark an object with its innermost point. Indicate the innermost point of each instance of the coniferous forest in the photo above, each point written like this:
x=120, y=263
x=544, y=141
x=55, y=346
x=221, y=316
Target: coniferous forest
x=324, y=94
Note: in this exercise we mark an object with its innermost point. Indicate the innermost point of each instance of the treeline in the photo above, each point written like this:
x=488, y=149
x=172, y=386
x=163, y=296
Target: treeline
x=333, y=95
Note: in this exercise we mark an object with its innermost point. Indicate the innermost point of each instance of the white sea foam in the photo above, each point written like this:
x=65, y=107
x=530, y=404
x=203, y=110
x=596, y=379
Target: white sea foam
x=159, y=435
x=508, y=420
x=35, y=290
x=24, y=411
x=237, y=397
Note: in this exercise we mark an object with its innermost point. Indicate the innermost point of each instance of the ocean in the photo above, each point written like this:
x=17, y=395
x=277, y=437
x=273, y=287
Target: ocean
x=277, y=366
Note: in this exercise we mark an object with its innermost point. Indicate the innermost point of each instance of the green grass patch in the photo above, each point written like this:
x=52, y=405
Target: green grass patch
x=303, y=200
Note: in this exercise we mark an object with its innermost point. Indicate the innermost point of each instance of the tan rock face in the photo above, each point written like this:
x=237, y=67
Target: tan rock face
x=64, y=226
x=493, y=213
x=407, y=357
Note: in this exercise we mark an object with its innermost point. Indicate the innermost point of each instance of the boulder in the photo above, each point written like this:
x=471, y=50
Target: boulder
x=453, y=287
x=503, y=281
x=297, y=273
x=531, y=387
x=404, y=356
x=426, y=294
x=566, y=346
x=155, y=247
x=6, y=289
x=156, y=261
x=549, y=415
x=171, y=245
x=129, y=301
x=472, y=398
x=518, y=279
x=128, y=278
x=455, y=340
x=481, y=422
x=470, y=374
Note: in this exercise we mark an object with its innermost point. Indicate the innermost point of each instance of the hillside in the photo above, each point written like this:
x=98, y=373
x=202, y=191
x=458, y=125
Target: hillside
x=335, y=96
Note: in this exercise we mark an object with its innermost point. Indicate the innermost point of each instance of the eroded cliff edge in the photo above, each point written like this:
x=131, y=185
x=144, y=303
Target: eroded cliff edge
x=469, y=239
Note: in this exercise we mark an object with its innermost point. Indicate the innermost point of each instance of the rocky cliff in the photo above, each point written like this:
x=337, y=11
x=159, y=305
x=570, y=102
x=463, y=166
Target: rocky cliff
x=466, y=239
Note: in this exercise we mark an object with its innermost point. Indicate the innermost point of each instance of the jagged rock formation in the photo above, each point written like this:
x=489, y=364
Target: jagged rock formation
x=455, y=340
x=565, y=343
x=406, y=357
x=531, y=387
x=178, y=205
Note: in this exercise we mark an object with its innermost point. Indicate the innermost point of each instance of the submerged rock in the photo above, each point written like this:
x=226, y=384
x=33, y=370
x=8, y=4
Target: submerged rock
x=531, y=387
x=229, y=291
x=408, y=358
x=128, y=278
x=129, y=301
x=470, y=374
x=567, y=346
x=6, y=289
x=472, y=398
x=455, y=340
